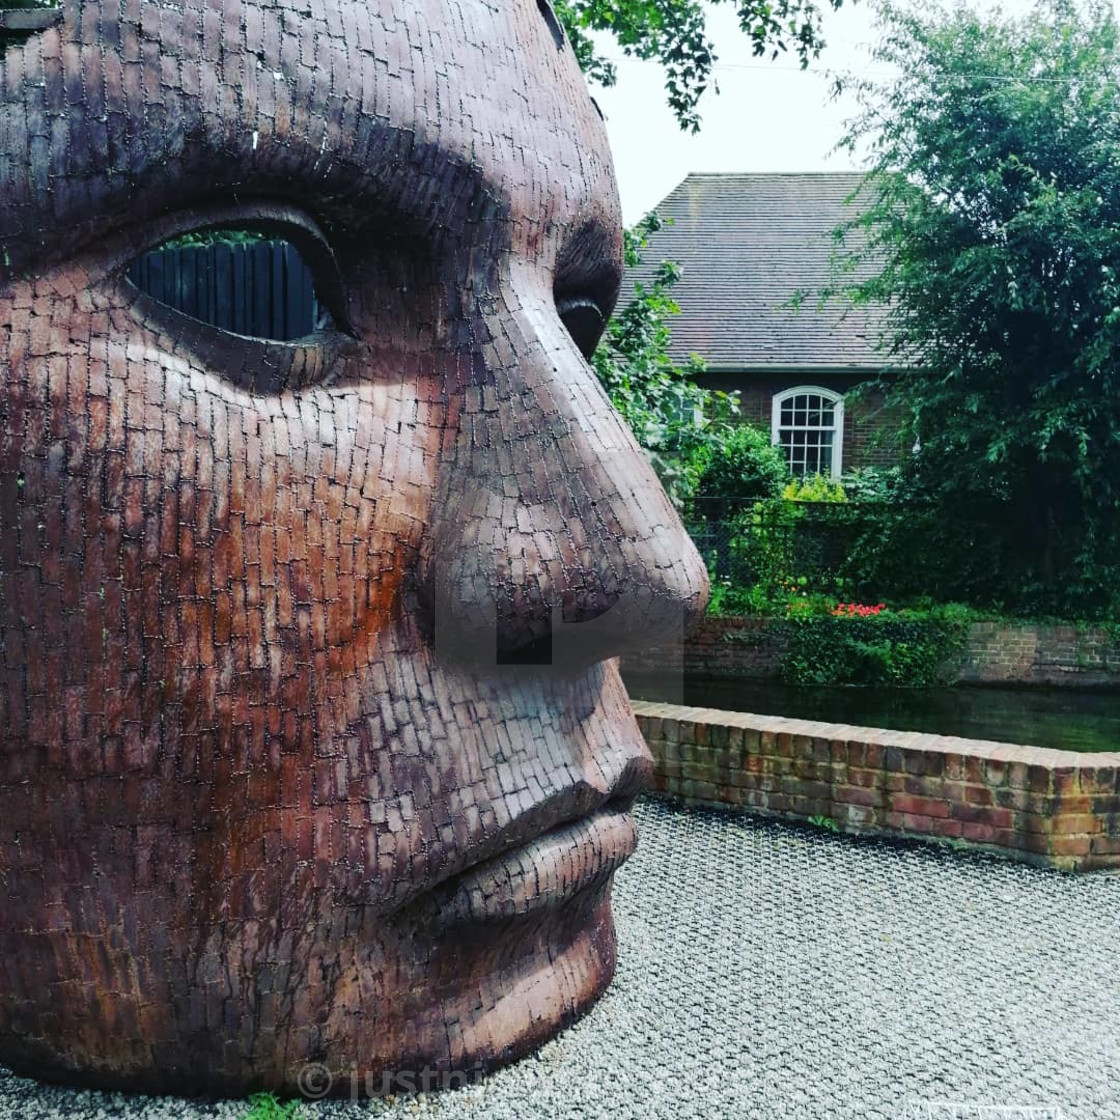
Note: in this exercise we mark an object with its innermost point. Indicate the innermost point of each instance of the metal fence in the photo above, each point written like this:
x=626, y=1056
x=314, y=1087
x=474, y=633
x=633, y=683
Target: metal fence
x=874, y=551
x=770, y=541
x=259, y=288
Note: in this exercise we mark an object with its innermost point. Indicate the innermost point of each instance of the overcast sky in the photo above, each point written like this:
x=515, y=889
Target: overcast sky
x=767, y=116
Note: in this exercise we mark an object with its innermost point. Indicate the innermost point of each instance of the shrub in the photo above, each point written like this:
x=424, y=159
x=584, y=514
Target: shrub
x=743, y=468
x=265, y=1106
x=904, y=649
x=733, y=599
x=872, y=484
x=814, y=488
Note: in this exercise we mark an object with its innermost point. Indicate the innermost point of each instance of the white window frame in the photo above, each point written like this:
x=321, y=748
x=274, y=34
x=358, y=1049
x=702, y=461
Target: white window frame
x=837, y=400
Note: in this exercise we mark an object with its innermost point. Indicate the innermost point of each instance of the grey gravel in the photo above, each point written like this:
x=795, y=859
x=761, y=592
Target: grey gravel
x=777, y=972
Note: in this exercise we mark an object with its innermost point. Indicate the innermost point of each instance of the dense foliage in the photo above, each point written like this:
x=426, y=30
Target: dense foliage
x=895, y=649
x=743, y=467
x=676, y=422
x=992, y=222
x=780, y=556
x=674, y=33
x=814, y=488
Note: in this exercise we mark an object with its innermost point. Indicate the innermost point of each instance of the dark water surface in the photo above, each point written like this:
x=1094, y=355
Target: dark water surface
x=1062, y=718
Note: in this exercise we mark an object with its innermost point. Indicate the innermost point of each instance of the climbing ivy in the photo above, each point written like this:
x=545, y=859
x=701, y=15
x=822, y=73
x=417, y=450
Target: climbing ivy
x=903, y=650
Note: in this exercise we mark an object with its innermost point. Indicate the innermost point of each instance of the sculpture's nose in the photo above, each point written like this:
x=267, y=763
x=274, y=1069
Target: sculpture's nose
x=553, y=541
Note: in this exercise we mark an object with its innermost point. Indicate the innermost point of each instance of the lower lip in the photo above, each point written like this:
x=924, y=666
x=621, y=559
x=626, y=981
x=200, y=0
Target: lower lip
x=544, y=874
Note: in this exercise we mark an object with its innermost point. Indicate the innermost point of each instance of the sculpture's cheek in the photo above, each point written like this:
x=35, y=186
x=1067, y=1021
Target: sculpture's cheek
x=191, y=572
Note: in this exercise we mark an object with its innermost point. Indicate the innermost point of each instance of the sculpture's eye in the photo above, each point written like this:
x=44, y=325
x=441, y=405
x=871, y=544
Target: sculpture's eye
x=255, y=296
x=275, y=282
x=584, y=321
x=249, y=283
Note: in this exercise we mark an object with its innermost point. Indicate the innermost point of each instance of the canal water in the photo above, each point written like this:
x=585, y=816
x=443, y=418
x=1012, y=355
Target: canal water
x=1062, y=718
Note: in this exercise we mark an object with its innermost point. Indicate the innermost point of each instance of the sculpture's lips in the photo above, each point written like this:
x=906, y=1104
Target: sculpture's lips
x=545, y=873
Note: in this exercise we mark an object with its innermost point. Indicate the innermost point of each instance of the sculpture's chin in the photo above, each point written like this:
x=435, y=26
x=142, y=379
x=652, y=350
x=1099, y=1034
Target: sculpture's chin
x=449, y=1007
x=512, y=994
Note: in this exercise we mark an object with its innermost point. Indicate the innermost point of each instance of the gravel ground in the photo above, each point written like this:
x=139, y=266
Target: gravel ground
x=787, y=974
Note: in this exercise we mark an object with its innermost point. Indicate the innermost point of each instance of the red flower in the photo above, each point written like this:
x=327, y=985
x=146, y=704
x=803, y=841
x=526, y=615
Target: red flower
x=860, y=610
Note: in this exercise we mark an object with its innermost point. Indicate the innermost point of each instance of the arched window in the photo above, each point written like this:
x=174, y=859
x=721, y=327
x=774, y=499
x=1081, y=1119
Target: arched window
x=808, y=425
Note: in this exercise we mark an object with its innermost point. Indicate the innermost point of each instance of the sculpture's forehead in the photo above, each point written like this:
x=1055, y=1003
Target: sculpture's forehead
x=459, y=106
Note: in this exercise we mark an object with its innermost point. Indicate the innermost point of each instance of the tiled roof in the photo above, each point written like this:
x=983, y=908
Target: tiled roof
x=747, y=244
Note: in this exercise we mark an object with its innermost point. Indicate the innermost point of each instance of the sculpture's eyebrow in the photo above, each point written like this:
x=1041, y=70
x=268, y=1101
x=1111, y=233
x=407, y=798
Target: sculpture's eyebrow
x=382, y=175
x=421, y=183
x=289, y=112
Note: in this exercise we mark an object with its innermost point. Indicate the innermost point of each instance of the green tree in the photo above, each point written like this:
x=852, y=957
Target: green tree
x=990, y=225
x=675, y=421
x=674, y=33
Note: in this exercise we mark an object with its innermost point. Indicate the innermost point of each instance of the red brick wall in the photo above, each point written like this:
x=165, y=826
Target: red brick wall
x=719, y=647
x=1048, y=655
x=995, y=653
x=1048, y=807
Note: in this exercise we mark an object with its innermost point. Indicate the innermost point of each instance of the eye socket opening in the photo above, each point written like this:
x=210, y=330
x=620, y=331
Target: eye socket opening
x=20, y=19
x=584, y=322
x=270, y=281
x=553, y=22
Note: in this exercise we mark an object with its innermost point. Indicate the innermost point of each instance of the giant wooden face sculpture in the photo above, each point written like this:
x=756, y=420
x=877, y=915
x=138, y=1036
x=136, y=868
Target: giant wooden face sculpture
x=311, y=744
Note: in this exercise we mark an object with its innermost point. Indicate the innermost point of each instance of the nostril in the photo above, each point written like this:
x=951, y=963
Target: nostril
x=556, y=628
x=538, y=652
x=549, y=603
x=584, y=322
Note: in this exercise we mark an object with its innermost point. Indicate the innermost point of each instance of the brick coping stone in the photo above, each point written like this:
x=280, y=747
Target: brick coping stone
x=1055, y=808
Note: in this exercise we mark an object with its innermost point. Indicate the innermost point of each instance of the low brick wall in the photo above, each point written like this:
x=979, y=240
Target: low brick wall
x=1055, y=808
x=719, y=647
x=995, y=653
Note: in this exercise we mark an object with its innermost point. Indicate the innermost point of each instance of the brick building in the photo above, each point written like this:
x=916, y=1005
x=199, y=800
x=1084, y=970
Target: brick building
x=748, y=245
